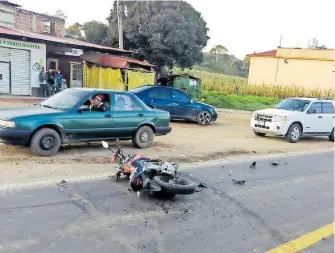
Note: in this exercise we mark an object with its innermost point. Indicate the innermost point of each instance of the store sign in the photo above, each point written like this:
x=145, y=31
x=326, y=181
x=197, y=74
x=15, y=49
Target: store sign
x=19, y=44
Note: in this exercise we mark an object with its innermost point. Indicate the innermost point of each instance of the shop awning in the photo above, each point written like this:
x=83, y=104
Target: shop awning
x=24, y=35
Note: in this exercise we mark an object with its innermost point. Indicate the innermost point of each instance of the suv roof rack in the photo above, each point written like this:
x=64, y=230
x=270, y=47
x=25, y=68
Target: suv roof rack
x=320, y=98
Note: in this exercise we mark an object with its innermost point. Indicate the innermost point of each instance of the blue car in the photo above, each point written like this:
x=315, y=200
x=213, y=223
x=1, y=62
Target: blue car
x=177, y=103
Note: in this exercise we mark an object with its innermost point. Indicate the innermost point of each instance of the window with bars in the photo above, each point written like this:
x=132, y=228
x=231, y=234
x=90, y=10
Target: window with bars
x=47, y=26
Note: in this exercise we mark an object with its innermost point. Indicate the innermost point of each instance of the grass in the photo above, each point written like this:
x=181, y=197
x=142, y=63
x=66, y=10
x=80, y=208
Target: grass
x=249, y=103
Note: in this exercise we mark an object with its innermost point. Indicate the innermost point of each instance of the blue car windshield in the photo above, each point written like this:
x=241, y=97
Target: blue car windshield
x=65, y=100
x=293, y=105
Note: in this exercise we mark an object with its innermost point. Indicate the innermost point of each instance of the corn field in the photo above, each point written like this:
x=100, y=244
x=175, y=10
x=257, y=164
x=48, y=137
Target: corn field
x=238, y=85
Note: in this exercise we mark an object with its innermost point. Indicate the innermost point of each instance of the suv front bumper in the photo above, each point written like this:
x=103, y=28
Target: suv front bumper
x=275, y=128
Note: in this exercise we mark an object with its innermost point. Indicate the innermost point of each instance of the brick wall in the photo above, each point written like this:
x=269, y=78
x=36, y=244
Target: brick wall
x=24, y=21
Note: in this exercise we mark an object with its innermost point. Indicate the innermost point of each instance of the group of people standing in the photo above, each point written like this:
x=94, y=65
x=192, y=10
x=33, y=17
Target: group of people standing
x=51, y=82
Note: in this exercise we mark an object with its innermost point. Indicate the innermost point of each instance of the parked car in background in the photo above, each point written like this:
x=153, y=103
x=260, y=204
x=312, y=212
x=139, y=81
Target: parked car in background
x=177, y=103
x=66, y=118
x=296, y=117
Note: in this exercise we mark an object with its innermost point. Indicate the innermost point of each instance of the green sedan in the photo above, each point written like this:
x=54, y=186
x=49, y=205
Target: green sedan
x=69, y=116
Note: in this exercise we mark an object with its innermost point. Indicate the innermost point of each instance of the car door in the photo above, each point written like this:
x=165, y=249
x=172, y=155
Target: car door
x=128, y=114
x=315, y=122
x=91, y=125
x=160, y=97
x=182, y=106
x=328, y=115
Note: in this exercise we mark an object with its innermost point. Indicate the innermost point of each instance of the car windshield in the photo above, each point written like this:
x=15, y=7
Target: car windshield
x=293, y=105
x=65, y=100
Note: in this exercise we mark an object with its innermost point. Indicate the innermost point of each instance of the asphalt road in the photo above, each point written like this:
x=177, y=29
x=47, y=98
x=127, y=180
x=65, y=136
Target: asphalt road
x=275, y=205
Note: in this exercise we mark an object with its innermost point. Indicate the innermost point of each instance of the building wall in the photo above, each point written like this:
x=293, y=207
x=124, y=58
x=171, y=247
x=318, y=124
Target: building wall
x=31, y=22
x=262, y=70
x=23, y=21
x=294, y=67
x=311, y=74
x=37, y=57
x=306, y=53
x=7, y=15
x=64, y=65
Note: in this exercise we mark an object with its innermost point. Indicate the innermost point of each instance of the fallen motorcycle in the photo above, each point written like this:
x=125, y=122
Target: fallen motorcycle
x=146, y=174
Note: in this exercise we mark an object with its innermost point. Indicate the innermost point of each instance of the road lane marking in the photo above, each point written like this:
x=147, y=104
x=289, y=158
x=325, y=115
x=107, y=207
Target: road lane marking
x=305, y=241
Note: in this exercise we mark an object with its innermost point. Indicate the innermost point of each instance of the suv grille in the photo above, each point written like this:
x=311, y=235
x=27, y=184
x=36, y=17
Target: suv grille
x=263, y=117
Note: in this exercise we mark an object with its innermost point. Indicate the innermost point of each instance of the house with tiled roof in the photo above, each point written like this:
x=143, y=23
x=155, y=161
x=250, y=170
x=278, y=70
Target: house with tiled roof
x=30, y=41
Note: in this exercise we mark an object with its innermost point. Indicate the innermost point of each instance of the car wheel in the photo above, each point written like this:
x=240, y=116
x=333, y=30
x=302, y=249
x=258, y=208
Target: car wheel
x=144, y=137
x=260, y=134
x=331, y=136
x=204, y=118
x=45, y=142
x=294, y=133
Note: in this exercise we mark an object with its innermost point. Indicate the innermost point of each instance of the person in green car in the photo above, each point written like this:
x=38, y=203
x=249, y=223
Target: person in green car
x=97, y=103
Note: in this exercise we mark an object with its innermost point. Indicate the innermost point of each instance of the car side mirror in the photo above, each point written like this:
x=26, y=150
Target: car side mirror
x=191, y=101
x=105, y=144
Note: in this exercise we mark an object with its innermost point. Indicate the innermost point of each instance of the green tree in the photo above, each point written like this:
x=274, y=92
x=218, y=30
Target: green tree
x=165, y=33
x=74, y=31
x=60, y=14
x=227, y=64
x=95, y=32
x=217, y=51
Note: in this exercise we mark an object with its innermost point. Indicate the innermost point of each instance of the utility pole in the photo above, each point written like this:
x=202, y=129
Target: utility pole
x=119, y=22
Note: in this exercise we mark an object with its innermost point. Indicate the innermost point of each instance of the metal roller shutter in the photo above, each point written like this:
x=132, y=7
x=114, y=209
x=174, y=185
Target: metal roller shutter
x=4, y=70
x=20, y=71
x=4, y=78
x=4, y=54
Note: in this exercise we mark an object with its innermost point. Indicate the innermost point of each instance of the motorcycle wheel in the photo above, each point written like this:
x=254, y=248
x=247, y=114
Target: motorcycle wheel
x=175, y=185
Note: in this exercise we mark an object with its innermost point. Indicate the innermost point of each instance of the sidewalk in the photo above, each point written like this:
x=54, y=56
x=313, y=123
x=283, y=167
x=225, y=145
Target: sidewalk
x=6, y=96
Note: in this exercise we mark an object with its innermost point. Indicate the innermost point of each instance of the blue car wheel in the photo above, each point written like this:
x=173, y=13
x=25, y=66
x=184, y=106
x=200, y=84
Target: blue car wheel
x=204, y=118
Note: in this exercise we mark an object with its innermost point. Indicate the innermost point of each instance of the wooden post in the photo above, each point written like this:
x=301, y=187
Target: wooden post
x=126, y=79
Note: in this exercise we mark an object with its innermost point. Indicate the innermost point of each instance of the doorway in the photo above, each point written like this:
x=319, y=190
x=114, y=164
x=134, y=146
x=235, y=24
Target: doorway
x=5, y=77
x=76, y=77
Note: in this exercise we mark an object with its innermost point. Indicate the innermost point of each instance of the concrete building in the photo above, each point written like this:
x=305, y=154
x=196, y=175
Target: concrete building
x=13, y=16
x=309, y=68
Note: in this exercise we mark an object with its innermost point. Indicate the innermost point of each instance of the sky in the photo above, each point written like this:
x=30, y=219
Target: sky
x=242, y=26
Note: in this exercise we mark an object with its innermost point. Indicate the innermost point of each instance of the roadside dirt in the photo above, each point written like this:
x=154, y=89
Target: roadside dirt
x=188, y=142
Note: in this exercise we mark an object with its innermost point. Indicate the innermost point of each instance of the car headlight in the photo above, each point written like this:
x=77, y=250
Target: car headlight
x=7, y=124
x=254, y=115
x=279, y=118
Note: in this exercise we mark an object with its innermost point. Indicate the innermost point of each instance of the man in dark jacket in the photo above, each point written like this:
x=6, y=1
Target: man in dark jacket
x=50, y=82
x=98, y=103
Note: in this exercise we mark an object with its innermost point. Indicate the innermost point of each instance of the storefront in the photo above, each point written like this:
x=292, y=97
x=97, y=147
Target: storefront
x=20, y=65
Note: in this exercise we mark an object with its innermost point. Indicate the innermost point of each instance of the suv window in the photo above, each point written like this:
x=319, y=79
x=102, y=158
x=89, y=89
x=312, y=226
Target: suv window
x=315, y=108
x=179, y=96
x=327, y=108
x=158, y=93
x=125, y=102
